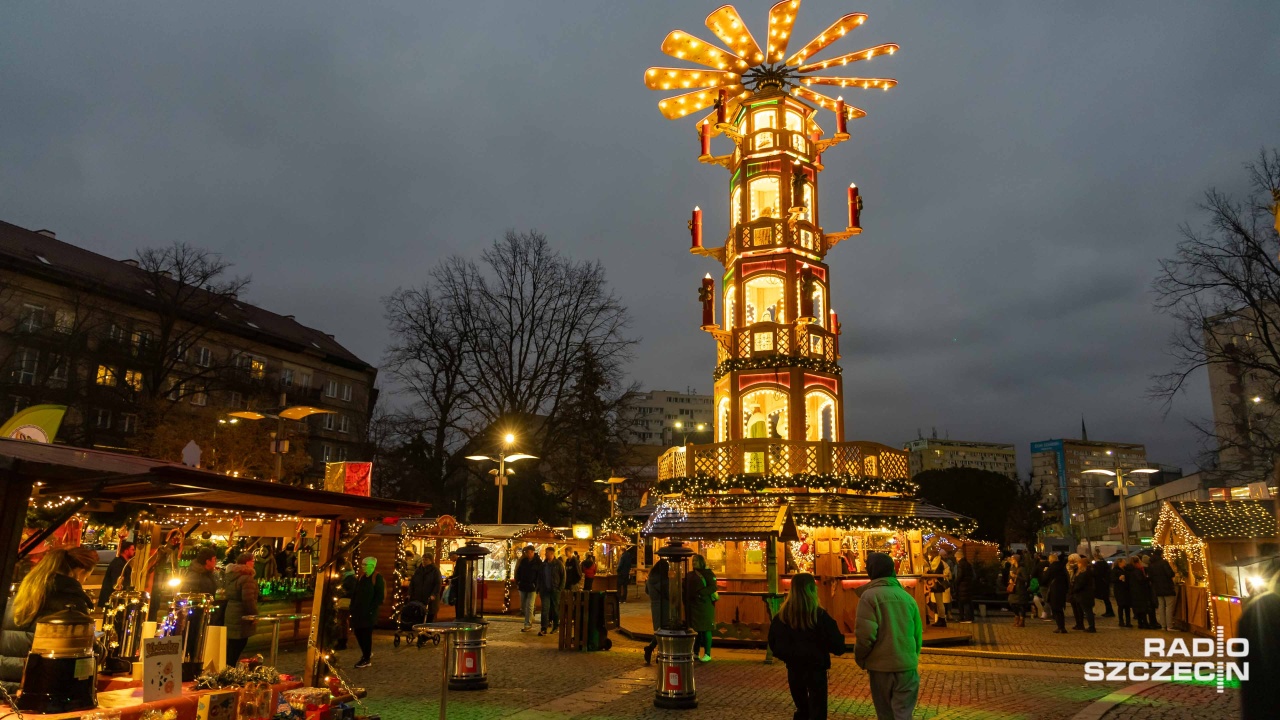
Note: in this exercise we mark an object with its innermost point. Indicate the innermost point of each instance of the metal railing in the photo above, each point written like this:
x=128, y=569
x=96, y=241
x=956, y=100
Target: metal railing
x=776, y=457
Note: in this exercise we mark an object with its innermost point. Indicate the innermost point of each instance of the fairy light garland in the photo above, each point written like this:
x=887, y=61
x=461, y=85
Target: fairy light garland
x=887, y=523
x=776, y=361
x=750, y=482
x=620, y=524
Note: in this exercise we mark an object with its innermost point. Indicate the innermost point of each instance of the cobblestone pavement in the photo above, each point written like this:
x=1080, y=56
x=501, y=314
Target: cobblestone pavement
x=531, y=680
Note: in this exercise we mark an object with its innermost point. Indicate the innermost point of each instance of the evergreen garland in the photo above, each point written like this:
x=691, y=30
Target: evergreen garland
x=771, y=362
x=952, y=526
x=700, y=485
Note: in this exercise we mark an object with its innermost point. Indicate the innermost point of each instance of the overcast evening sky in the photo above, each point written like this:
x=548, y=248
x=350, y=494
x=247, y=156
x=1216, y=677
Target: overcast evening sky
x=1021, y=182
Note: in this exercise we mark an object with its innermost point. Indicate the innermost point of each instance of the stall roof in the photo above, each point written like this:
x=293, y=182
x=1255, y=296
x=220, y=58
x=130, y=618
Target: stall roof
x=1228, y=519
x=117, y=478
x=898, y=513
x=722, y=522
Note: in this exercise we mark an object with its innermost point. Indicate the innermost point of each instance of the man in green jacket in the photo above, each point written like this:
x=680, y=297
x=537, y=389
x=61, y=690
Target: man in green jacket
x=889, y=634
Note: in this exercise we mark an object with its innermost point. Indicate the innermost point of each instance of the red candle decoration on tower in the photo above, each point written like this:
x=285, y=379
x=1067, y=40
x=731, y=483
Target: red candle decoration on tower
x=707, y=294
x=722, y=107
x=855, y=206
x=706, y=139
x=835, y=331
x=695, y=227
x=842, y=122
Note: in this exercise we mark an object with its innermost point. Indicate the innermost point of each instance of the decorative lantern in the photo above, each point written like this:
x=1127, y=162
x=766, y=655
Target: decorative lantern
x=470, y=668
x=675, y=641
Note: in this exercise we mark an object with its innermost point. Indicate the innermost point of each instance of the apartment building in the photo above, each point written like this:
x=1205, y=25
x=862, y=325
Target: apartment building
x=112, y=341
x=934, y=454
x=1057, y=469
x=669, y=417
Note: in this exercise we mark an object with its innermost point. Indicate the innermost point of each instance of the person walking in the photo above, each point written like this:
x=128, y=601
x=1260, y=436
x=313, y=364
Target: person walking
x=889, y=635
x=549, y=587
x=1073, y=567
x=1120, y=585
x=657, y=586
x=1260, y=625
x=240, y=586
x=1036, y=586
x=700, y=596
x=940, y=587
x=1140, y=594
x=528, y=575
x=1018, y=587
x=426, y=585
x=964, y=588
x=589, y=572
x=1082, y=597
x=804, y=637
x=625, y=564
x=1162, y=589
x=118, y=572
x=367, y=597
x=1055, y=584
x=1102, y=583
x=572, y=570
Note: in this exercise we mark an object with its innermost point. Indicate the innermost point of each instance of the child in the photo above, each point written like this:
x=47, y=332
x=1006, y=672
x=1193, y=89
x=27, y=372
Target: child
x=804, y=636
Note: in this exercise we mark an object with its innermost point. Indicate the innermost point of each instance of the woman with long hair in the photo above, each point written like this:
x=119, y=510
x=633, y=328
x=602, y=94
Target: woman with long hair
x=804, y=636
x=54, y=584
x=1018, y=591
x=700, y=596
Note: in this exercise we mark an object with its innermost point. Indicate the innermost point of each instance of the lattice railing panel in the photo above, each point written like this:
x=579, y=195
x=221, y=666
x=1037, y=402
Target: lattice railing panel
x=846, y=459
x=893, y=465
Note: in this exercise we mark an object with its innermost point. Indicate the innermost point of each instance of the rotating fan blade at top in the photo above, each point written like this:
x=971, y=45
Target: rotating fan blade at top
x=674, y=108
x=867, y=54
x=727, y=24
x=861, y=82
x=781, y=17
x=665, y=78
x=683, y=46
x=828, y=36
x=850, y=112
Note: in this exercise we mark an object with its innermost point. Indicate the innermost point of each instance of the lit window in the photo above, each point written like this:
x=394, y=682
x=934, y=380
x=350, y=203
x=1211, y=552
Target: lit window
x=730, y=308
x=735, y=206
x=764, y=197
x=133, y=378
x=64, y=321
x=819, y=305
x=820, y=416
x=764, y=120
x=106, y=376
x=807, y=199
x=795, y=123
x=257, y=368
x=763, y=300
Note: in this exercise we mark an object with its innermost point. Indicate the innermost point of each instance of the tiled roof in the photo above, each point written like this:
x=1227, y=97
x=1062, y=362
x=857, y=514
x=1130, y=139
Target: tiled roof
x=721, y=522
x=41, y=255
x=1228, y=519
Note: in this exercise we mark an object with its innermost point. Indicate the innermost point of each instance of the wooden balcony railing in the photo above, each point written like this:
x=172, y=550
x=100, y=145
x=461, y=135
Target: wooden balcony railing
x=775, y=457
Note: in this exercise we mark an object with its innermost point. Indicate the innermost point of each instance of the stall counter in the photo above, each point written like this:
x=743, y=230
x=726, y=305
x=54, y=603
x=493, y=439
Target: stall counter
x=128, y=702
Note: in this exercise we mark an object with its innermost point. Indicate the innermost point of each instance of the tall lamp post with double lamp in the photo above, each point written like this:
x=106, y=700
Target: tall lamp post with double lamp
x=1121, y=484
x=611, y=491
x=280, y=446
x=502, y=459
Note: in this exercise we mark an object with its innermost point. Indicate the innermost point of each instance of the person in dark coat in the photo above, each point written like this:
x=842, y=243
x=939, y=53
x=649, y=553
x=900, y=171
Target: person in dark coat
x=1260, y=625
x=572, y=569
x=700, y=604
x=1018, y=584
x=804, y=636
x=1055, y=579
x=1120, y=585
x=52, y=586
x=528, y=574
x=426, y=585
x=240, y=587
x=625, y=564
x=550, y=585
x=657, y=587
x=1102, y=583
x=367, y=597
x=1140, y=594
x=1162, y=589
x=964, y=581
x=1082, y=598
x=201, y=575
x=117, y=568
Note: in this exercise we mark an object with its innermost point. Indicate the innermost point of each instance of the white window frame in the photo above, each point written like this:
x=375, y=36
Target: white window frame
x=32, y=318
x=286, y=377
x=344, y=424
x=346, y=392
x=22, y=374
x=204, y=356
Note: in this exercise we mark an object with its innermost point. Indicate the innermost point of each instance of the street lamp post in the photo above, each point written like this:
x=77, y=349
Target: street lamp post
x=285, y=412
x=1121, y=485
x=502, y=459
x=611, y=490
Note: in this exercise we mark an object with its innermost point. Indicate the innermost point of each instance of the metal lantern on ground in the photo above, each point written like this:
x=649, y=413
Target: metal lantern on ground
x=675, y=641
x=470, y=668
x=124, y=621
x=61, y=671
x=188, y=618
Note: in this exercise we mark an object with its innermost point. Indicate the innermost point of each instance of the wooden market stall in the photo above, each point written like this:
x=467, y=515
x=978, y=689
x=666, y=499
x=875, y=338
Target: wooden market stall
x=95, y=481
x=1212, y=544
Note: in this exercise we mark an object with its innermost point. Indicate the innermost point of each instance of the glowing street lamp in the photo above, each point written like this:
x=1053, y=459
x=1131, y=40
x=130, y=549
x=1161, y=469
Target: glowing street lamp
x=279, y=446
x=501, y=472
x=1120, y=485
x=611, y=491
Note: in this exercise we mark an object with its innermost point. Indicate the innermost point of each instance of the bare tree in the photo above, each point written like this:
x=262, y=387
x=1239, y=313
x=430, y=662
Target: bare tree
x=1223, y=288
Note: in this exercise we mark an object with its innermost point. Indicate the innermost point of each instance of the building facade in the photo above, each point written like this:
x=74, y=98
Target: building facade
x=1057, y=469
x=1142, y=511
x=934, y=454
x=118, y=344
x=668, y=417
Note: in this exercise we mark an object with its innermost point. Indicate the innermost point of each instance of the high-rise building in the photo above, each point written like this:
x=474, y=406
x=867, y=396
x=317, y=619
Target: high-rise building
x=1057, y=469
x=668, y=417
x=935, y=454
